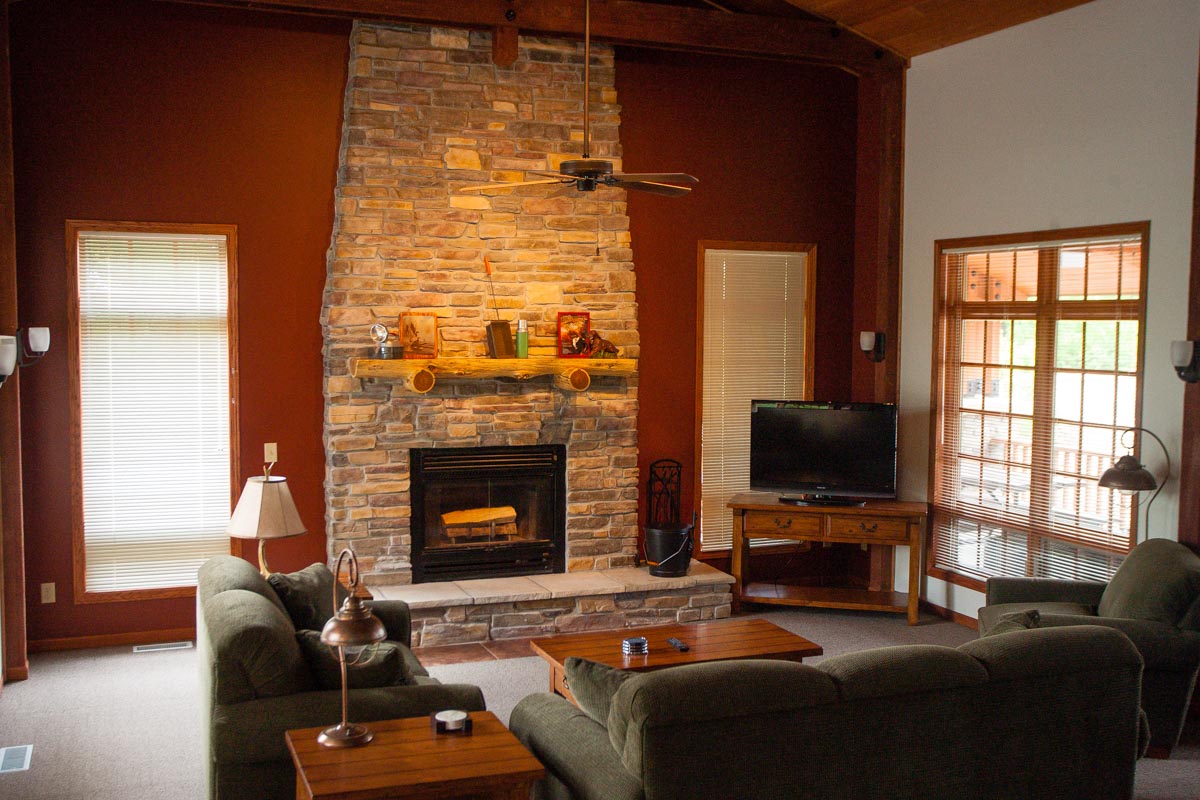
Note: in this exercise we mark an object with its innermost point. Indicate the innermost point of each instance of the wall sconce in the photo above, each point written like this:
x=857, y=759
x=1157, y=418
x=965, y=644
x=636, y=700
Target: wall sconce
x=1185, y=357
x=1128, y=476
x=873, y=344
x=33, y=345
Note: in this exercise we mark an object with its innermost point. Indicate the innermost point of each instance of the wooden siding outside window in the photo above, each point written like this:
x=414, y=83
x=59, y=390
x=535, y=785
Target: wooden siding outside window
x=1037, y=371
x=153, y=355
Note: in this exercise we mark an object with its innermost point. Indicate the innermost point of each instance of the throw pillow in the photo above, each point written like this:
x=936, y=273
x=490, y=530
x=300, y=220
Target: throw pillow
x=307, y=595
x=1016, y=621
x=594, y=685
x=382, y=664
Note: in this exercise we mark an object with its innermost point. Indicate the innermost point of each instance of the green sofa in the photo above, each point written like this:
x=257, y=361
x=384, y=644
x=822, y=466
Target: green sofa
x=1153, y=598
x=1030, y=714
x=256, y=684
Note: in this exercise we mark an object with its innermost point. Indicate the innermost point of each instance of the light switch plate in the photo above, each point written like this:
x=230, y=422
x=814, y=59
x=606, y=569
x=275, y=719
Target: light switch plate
x=48, y=593
x=270, y=452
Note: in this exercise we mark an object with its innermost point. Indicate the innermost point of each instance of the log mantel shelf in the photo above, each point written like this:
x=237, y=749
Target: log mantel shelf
x=420, y=375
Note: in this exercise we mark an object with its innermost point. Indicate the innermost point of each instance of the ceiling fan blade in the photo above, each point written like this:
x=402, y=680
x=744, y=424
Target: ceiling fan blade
x=487, y=186
x=665, y=189
x=657, y=177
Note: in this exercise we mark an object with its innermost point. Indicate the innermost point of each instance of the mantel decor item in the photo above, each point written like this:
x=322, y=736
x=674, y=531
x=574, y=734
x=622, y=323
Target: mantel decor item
x=574, y=330
x=418, y=334
x=383, y=349
x=1128, y=476
x=265, y=511
x=352, y=625
x=499, y=334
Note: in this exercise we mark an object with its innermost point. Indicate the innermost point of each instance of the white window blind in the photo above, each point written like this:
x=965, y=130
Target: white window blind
x=1039, y=361
x=154, y=406
x=754, y=349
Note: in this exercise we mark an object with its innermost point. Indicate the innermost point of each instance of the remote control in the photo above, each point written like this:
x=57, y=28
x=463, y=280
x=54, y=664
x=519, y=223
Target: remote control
x=678, y=645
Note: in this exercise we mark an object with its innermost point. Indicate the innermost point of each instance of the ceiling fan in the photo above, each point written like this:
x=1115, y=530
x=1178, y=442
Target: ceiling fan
x=588, y=173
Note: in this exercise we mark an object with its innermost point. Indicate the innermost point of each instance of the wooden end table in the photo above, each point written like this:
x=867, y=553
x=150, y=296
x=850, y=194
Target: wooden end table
x=408, y=760
x=719, y=640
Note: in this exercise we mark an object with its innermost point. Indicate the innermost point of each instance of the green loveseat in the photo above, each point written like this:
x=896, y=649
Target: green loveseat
x=1033, y=714
x=256, y=684
x=1154, y=599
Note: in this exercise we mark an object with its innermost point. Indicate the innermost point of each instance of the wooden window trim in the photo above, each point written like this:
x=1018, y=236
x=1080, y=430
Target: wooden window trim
x=1032, y=311
x=78, y=549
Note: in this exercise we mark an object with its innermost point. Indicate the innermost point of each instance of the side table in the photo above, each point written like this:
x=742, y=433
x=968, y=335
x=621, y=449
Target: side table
x=408, y=760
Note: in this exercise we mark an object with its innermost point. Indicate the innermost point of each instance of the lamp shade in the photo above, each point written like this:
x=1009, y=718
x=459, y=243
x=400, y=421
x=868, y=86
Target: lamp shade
x=8, y=355
x=1128, y=475
x=265, y=511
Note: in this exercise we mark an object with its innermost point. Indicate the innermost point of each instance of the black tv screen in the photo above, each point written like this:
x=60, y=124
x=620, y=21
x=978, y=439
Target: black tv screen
x=814, y=451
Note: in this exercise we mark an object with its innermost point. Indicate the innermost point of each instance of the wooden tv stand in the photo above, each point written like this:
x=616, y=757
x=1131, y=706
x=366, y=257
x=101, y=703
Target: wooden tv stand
x=881, y=525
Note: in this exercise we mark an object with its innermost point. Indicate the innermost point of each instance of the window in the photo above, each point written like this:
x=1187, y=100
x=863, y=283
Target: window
x=151, y=350
x=756, y=339
x=1038, y=350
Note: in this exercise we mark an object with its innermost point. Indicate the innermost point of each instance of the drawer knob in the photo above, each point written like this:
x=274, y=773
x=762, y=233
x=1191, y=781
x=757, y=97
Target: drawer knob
x=783, y=523
x=874, y=526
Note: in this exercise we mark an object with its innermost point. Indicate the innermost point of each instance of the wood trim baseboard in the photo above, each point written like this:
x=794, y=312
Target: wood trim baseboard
x=953, y=616
x=113, y=640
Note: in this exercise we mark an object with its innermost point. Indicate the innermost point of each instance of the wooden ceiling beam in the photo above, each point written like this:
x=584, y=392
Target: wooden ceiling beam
x=623, y=22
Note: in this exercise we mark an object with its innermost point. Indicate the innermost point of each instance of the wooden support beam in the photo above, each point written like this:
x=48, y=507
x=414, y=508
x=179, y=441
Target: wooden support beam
x=625, y=22
x=505, y=43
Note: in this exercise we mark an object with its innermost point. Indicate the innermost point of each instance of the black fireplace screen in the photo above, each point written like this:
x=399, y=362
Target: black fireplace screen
x=488, y=511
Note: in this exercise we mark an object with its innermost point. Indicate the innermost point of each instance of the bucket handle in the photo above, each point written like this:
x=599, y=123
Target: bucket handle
x=686, y=544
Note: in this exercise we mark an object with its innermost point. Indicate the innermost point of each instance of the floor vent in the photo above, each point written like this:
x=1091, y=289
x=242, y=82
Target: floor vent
x=158, y=648
x=15, y=759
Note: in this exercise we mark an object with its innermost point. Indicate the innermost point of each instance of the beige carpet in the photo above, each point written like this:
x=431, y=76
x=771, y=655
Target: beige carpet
x=109, y=724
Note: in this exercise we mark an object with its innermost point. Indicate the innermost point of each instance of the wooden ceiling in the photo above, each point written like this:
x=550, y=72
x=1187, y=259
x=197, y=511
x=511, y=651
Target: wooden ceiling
x=906, y=27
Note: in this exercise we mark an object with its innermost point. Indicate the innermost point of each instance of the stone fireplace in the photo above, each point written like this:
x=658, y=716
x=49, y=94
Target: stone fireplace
x=428, y=113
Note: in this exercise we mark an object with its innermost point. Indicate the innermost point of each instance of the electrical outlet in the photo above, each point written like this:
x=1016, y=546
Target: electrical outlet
x=48, y=595
x=270, y=452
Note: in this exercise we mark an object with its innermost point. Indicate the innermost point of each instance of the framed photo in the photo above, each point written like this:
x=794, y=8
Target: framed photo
x=574, y=328
x=418, y=334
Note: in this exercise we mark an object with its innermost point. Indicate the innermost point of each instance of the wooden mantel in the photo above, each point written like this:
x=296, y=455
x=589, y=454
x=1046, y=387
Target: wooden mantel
x=420, y=375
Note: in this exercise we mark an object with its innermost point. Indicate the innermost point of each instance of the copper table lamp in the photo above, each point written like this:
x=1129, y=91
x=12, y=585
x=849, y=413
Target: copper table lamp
x=352, y=625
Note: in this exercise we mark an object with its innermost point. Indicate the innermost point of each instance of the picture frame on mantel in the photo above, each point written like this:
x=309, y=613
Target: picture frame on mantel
x=573, y=330
x=418, y=334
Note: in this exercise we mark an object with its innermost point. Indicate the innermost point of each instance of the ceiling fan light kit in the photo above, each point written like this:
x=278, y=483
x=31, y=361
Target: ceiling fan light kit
x=587, y=173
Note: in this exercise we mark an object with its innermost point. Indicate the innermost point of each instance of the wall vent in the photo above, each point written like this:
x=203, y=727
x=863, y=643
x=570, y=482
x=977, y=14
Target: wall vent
x=16, y=758
x=159, y=647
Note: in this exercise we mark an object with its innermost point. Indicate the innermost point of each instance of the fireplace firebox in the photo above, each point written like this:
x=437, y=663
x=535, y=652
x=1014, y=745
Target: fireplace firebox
x=488, y=512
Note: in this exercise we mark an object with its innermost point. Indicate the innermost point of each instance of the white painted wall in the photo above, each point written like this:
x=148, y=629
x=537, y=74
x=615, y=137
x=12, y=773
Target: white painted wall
x=1086, y=117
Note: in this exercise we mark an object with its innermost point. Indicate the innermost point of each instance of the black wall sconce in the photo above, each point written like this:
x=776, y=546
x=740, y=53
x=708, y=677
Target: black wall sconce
x=873, y=344
x=1185, y=357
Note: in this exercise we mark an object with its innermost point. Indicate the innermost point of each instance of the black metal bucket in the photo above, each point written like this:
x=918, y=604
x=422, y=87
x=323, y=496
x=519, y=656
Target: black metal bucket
x=669, y=550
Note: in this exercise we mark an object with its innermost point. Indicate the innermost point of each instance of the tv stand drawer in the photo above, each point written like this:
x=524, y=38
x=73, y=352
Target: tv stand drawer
x=869, y=529
x=783, y=523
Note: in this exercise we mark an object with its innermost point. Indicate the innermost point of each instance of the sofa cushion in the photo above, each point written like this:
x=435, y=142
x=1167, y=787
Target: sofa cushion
x=307, y=595
x=222, y=573
x=386, y=666
x=1159, y=580
x=254, y=650
x=593, y=685
x=1016, y=621
x=906, y=669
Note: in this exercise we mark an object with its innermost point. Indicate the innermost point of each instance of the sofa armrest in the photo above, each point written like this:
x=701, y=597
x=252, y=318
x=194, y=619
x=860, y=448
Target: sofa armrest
x=253, y=731
x=396, y=619
x=574, y=748
x=1162, y=647
x=1045, y=590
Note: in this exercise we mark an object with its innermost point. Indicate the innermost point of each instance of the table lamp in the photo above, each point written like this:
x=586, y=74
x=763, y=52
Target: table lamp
x=353, y=625
x=265, y=511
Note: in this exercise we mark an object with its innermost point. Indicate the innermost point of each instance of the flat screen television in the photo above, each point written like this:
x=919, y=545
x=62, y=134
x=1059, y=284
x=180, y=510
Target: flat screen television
x=823, y=452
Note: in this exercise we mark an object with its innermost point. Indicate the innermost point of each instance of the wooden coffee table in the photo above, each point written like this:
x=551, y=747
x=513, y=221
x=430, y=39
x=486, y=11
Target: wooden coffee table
x=407, y=759
x=707, y=641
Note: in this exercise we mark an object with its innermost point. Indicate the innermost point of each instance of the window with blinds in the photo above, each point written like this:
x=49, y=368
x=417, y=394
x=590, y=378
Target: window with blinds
x=755, y=343
x=152, y=351
x=1038, y=351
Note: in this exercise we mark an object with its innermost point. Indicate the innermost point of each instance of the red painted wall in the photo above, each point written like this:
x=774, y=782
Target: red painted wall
x=147, y=111
x=774, y=148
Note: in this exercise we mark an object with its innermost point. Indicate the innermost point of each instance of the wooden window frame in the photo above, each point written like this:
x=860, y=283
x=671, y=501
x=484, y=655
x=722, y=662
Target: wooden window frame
x=1044, y=313
x=78, y=545
x=810, y=268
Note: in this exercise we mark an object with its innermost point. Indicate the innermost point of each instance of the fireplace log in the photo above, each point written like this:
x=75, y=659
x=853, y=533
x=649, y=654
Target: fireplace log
x=473, y=517
x=574, y=379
